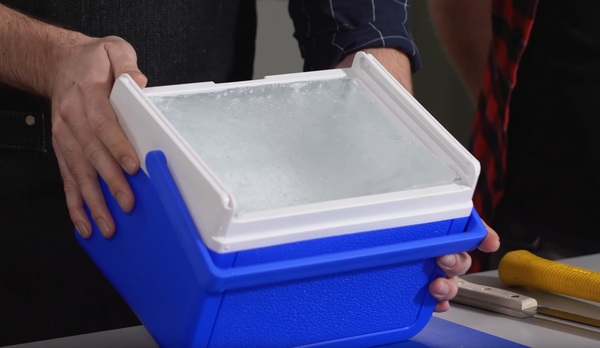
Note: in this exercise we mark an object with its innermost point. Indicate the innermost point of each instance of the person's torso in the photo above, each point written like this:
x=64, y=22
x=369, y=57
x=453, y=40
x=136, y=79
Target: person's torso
x=180, y=41
x=177, y=41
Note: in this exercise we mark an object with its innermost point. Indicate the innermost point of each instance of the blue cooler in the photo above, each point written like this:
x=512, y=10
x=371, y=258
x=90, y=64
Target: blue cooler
x=312, y=243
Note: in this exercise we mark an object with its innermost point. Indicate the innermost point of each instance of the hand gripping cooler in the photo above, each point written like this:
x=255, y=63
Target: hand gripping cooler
x=257, y=226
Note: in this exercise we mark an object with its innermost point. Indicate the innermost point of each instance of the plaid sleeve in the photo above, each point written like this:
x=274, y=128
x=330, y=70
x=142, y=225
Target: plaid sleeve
x=512, y=21
x=327, y=30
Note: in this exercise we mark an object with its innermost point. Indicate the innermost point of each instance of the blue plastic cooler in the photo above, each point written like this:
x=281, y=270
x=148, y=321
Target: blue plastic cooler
x=339, y=287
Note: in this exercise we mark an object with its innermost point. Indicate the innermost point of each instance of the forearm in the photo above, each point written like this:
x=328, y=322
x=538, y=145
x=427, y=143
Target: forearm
x=465, y=29
x=329, y=31
x=330, y=34
x=30, y=51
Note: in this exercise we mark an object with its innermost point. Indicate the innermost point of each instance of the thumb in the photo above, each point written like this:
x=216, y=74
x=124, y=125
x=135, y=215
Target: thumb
x=491, y=242
x=140, y=79
x=123, y=60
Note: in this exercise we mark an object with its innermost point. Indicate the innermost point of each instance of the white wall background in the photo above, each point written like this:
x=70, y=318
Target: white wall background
x=277, y=51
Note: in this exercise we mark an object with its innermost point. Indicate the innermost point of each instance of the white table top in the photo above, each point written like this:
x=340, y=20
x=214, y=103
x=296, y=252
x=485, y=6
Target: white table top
x=531, y=332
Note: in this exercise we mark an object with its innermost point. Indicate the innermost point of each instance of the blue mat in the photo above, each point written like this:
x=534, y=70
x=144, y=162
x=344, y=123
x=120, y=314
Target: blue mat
x=440, y=333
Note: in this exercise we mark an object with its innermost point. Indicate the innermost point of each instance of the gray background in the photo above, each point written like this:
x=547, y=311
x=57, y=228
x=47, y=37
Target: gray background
x=435, y=86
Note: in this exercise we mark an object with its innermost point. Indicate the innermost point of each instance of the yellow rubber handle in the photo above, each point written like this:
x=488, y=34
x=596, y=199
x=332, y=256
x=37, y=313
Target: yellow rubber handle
x=523, y=268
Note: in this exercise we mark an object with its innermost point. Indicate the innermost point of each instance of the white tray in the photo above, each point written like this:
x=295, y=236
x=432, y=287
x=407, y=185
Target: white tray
x=215, y=208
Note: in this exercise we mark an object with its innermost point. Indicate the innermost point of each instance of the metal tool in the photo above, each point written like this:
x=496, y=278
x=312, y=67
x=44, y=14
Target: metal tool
x=522, y=268
x=517, y=305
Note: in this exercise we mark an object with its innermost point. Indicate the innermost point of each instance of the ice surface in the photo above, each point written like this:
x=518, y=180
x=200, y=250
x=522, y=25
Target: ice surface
x=281, y=145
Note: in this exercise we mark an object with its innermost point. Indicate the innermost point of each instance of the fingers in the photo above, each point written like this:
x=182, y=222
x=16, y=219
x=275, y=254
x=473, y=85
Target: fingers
x=443, y=290
x=102, y=119
x=458, y=264
x=104, y=127
x=491, y=242
x=441, y=307
x=73, y=197
x=107, y=134
x=88, y=138
x=454, y=264
x=95, y=135
x=81, y=183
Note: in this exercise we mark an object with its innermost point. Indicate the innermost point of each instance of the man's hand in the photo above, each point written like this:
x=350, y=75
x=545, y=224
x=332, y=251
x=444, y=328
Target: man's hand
x=86, y=135
x=442, y=289
x=76, y=73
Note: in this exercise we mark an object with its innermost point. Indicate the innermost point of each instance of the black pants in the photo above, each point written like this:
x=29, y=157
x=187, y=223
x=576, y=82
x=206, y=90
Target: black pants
x=48, y=286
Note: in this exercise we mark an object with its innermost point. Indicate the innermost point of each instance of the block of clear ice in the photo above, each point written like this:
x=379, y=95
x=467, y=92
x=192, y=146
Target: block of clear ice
x=286, y=144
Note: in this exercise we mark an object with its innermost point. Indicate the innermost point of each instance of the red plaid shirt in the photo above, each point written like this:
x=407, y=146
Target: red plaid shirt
x=512, y=21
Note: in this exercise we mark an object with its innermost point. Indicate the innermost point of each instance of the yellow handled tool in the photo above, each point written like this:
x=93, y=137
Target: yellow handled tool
x=523, y=268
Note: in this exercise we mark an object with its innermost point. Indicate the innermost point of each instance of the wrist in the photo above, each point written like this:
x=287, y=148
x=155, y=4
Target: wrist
x=397, y=64
x=62, y=44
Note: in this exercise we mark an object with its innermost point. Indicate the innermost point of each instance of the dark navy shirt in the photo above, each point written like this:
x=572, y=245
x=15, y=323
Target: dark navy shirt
x=327, y=30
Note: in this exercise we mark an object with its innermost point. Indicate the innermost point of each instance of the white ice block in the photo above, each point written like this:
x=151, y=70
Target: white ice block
x=300, y=156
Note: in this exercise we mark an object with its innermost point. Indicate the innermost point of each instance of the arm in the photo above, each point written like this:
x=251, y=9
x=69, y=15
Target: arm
x=24, y=65
x=442, y=289
x=465, y=30
x=329, y=36
x=75, y=72
x=329, y=33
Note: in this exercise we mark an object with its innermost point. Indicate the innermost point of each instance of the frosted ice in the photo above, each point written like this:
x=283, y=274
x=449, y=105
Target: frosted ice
x=282, y=145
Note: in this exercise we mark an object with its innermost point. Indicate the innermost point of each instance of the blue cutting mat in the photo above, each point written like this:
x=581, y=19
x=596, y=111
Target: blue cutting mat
x=440, y=333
